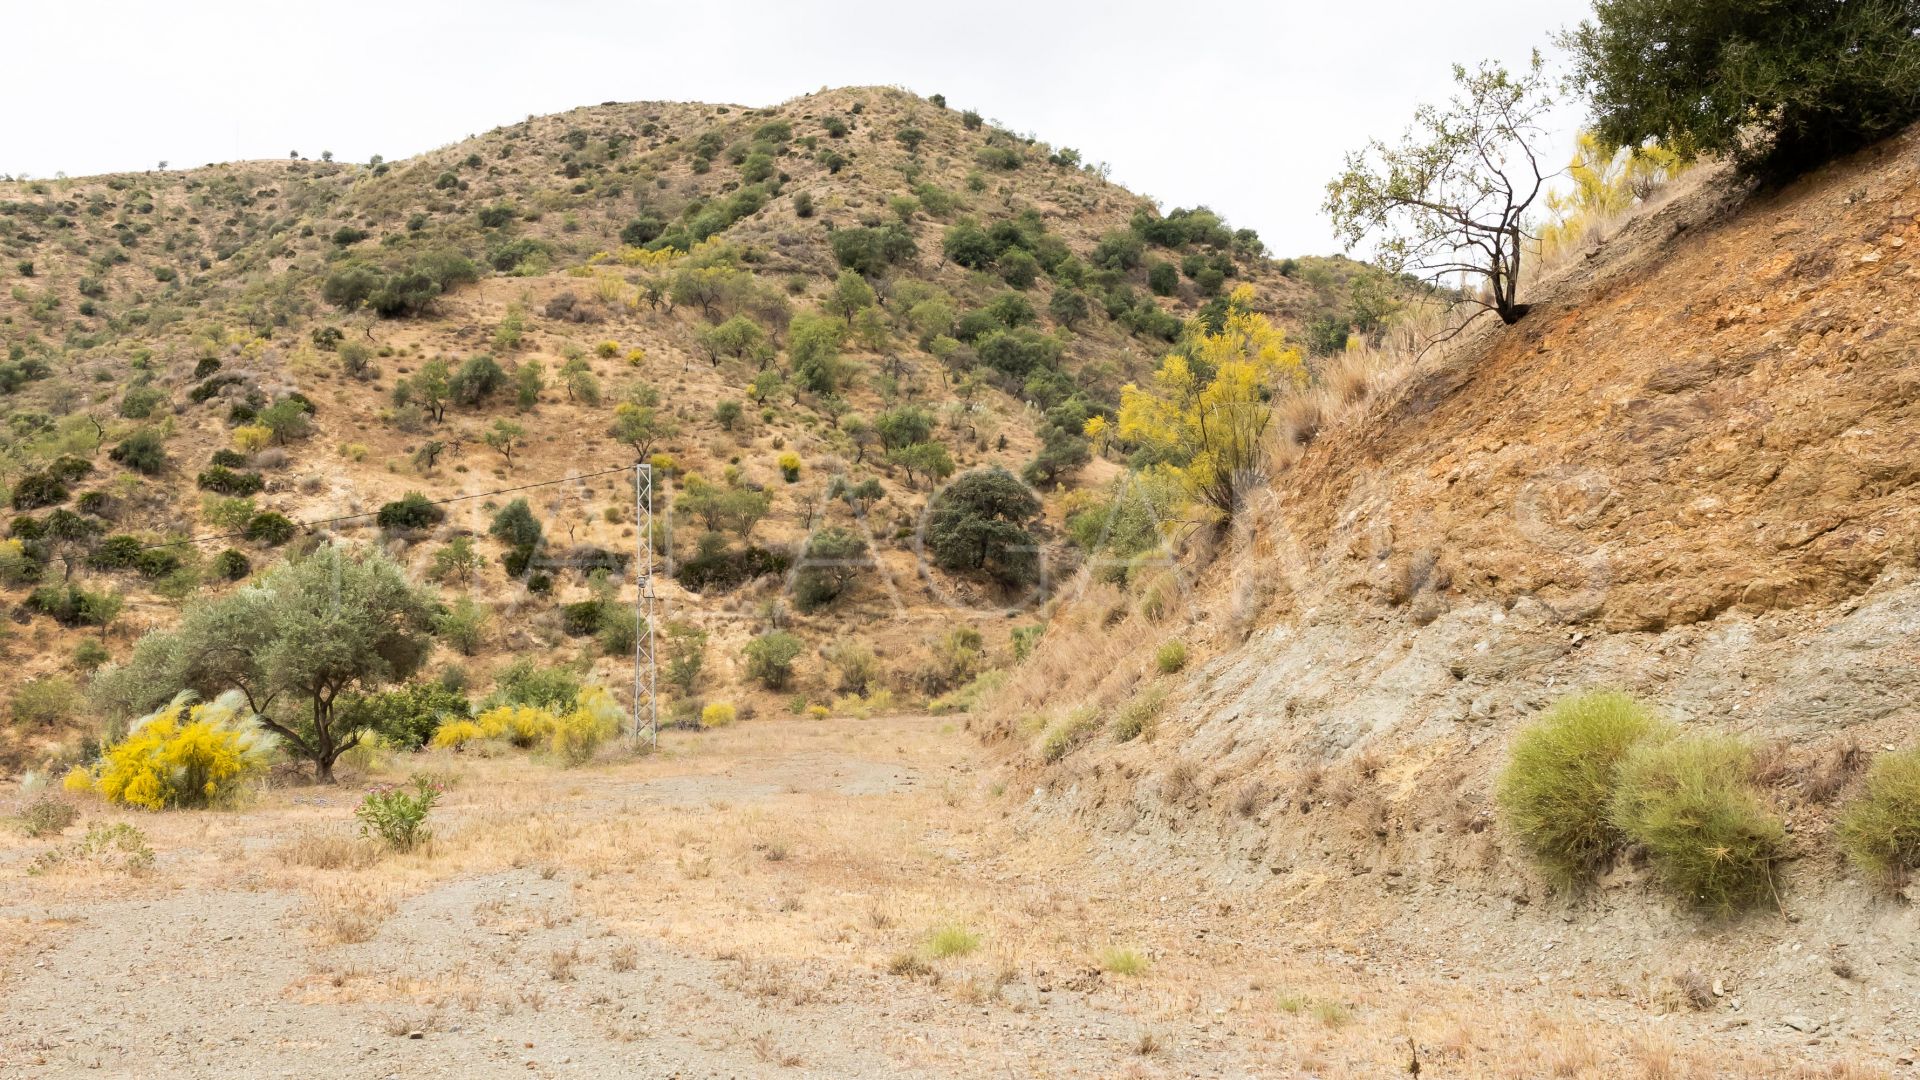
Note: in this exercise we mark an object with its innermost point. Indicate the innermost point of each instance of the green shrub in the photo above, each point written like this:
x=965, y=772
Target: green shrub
x=406, y=717
x=45, y=701
x=47, y=816
x=1063, y=735
x=1880, y=828
x=225, y=481
x=1559, y=780
x=396, y=816
x=1171, y=657
x=231, y=565
x=463, y=625
x=770, y=658
x=411, y=511
x=1692, y=804
x=270, y=527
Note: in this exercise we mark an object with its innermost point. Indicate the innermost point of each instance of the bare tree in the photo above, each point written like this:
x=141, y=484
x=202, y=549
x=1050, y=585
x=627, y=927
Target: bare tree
x=1454, y=194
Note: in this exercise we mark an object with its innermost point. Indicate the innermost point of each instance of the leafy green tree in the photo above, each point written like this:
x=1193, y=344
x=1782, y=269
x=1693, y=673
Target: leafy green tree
x=929, y=459
x=1454, y=194
x=1069, y=307
x=515, y=526
x=639, y=426
x=727, y=414
x=737, y=337
x=911, y=138
x=505, y=436
x=765, y=385
x=478, y=379
x=967, y=244
x=456, y=561
x=528, y=380
x=288, y=419
x=814, y=344
x=850, y=294
x=979, y=524
x=1778, y=85
x=832, y=559
x=903, y=426
x=335, y=622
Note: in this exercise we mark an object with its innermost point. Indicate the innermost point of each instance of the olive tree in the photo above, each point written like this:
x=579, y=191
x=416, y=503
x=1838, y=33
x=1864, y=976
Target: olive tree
x=339, y=620
x=1453, y=195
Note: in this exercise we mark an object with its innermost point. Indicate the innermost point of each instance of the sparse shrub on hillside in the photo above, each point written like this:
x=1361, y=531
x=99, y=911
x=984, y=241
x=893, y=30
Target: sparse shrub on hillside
x=1136, y=717
x=231, y=565
x=1691, y=804
x=38, y=489
x=72, y=605
x=686, y=654
x=225, y=481
x=143, y=452
x=139, y=402
x=1560, y=778
x=1779, y=87
x=770, y=658
x=45, y=701
x=477, y=380
x=463, y=625
x=1062, y=735
x=48, y=815
x=1171, y=657
x=186, y=754
x=270, y=527
x=411, y=511
x=856, y=665
x=1880, y=828
x=409, y=289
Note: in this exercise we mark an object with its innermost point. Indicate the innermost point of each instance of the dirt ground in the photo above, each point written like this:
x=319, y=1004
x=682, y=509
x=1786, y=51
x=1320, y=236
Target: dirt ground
x=784, y=897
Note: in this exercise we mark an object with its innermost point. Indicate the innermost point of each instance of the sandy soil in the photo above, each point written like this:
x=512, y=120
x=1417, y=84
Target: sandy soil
x=831, y=898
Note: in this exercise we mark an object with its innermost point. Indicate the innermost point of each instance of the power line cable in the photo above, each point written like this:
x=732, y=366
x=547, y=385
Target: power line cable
x=431, y=502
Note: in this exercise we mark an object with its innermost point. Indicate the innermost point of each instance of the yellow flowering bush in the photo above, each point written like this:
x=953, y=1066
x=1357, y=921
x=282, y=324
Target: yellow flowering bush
x=608, y=348
x=456, y=734
x=184, y=754
x=717, y=714
x=790, y=466
x=595, y=718
x=521, y=725
x=250, y=438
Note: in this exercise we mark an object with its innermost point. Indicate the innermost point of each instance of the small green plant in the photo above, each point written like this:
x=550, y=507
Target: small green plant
x=1171, y=657
x=1118, y=960
x=45, y=701
x=1880, y=829
x=952, y=939
x=396, y=815
x=119, y=847
x=1692, y=804
x=1559, y=781
x=47, y=816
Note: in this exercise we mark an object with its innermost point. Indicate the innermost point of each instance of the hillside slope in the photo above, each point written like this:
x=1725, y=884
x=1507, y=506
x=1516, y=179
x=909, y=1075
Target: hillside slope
x=1689, y=473
x=655, y=255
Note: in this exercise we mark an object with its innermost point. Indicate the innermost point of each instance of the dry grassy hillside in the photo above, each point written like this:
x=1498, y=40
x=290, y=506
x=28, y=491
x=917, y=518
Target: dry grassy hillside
x=183, y=305
x=1690, y=474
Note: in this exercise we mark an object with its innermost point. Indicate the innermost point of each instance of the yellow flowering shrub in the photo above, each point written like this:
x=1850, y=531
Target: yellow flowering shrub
x=521, y=725
x=717, y=714
x=608, y=348
x=250, y=438
x=184, y=754
x=595, y=718
x=456, y=734
x=818, y=712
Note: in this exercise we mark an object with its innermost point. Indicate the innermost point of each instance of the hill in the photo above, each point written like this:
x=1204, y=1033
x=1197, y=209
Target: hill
x=677, y=261
x=1690, y=474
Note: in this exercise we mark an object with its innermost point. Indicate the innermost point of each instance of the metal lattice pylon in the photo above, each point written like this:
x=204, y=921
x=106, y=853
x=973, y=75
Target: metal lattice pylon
x=646, y=695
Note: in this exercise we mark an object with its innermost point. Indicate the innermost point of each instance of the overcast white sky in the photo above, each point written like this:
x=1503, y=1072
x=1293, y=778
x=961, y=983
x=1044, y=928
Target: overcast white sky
x=1246, y=107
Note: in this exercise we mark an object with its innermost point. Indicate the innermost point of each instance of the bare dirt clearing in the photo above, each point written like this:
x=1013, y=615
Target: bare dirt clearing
x=839, y=898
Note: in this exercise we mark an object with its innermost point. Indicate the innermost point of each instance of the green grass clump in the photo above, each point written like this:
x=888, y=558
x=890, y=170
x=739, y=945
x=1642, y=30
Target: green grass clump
x=1692, y=804
x=1136, y=717
x=1063, y=735
x=1559, y=781
x=1123, y=961
x=953, y=939
x=1880, y=828
x=1171, y=657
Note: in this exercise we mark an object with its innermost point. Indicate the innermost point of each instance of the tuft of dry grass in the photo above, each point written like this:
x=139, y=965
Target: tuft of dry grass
x=325, y=849
x=347, y=914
